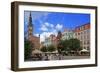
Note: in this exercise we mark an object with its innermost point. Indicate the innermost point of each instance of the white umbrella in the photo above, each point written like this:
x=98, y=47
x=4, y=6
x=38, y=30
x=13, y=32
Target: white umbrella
x=55, y=51
x=84, y=50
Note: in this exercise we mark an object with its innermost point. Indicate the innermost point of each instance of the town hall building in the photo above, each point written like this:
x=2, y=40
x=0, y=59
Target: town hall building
x=33, y=39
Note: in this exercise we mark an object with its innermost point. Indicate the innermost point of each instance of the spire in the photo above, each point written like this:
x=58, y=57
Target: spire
x=59, y=35
x=39, y=36
x=30, y=19
x=30, y=26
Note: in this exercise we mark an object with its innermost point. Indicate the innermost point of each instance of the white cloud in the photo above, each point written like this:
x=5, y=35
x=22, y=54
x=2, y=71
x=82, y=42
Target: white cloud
x=48, y=29
x=47, y=24
x=44, y=35
x=43, y=28
x=59, y=26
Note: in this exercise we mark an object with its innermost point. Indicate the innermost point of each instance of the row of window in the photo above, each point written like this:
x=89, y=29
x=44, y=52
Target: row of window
x=86, y=47
x=83, y=37
x=85, y=42
x=85, y=32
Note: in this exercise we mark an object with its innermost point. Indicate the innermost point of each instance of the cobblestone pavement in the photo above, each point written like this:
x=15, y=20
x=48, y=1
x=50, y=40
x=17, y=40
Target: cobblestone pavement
x=61, y=58
x=69, y=57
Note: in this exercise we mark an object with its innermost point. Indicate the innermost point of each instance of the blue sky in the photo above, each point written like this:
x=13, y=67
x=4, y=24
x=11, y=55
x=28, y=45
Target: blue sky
x=46, y=23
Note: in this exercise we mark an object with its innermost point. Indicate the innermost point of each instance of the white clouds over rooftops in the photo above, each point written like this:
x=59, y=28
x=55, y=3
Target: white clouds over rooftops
x=43, y=28
x=59, y=26
x=48, y=29
x=44, y=35
x=46, y=26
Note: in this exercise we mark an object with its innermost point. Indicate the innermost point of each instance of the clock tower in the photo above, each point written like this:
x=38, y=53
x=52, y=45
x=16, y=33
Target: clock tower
x=30, y=27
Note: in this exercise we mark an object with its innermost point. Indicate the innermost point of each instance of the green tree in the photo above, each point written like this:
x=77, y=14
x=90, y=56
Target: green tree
x=74, y=44
x=60, y=47
x=44, y=49
x=51, y=48
x=28, y=49
x=63, y=46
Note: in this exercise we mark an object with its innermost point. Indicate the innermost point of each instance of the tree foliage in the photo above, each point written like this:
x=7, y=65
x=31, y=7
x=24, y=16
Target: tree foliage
x=28, y=49
x=74, y=44
x=51, y=48
x=63, y=46
x=44, y=49
x=69, y=45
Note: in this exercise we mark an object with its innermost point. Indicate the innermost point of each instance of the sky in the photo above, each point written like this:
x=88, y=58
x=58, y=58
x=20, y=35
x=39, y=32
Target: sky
x=46, y=23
